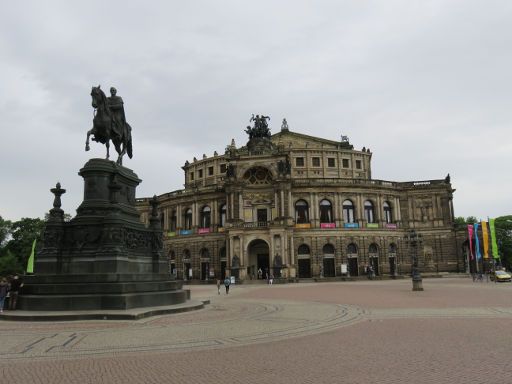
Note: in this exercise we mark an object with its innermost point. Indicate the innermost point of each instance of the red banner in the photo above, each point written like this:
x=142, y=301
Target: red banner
x=470, y=234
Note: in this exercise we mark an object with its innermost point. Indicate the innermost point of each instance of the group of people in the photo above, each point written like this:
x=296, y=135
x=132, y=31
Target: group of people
x=9, y=290
x=267, y=276
x=227, y=283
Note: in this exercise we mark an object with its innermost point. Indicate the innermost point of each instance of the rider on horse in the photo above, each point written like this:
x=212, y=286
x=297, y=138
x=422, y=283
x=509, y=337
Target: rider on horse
x=109, y=123
x=117, y=109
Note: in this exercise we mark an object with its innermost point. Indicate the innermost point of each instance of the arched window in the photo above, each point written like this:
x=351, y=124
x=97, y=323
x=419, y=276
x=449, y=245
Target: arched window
x=368, y=212
x=205, y=253
x=388, y=212
x=373, y=249
x=222, y=215
x=348, y=211
x=222, y=253
x=187, y=219
x=258, y=175
x=303, y=250
x=186, y=254
x=301, y=212
x=172, y=255
x=352, y=249
x=328, y=249
x=205, y=217
x=392, y=248
x=172, y=221
x=326, y=211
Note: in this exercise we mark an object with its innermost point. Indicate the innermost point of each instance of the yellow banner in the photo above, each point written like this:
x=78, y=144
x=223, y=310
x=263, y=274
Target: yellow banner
x=485, y=236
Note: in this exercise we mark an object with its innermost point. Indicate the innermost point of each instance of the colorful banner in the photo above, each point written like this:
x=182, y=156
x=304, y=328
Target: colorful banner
x=351, y=225
x=477, y=243
x=470, y=238
x=485, y=237
x=30, y=263
x=494, y=244
x=327, y=225
x=372, y=225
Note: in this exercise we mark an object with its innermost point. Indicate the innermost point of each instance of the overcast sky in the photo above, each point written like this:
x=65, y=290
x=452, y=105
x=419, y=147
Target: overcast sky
x=426, y=85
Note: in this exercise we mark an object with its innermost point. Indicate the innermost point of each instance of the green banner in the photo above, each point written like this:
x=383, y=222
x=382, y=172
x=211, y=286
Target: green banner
x=30, y=263
x=494, y=244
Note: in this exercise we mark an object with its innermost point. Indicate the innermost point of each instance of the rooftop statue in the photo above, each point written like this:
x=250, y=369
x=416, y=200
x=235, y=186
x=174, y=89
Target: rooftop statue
x=109, y=123
x=260, y=129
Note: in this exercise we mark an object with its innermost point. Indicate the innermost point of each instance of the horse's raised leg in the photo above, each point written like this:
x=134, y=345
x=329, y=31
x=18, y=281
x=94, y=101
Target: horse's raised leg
x=87, y=141
x=108, y=147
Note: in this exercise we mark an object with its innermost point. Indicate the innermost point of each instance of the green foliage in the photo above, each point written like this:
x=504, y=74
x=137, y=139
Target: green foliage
x=16, y=245
x=67, y=217
x=472, y=220
x=9, y=264
x=503, y=225
x=461, y=223
x=5, y=230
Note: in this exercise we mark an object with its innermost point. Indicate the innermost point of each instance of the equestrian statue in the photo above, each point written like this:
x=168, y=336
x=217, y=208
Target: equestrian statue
x=109, y=123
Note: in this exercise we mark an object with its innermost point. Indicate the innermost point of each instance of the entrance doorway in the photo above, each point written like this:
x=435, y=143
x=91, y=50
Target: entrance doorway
x=353, y=267
x=259, y=259
x=304, y=268
x=392, y=266
x=374, y=262
x=222, y=270
x=187, y=272
x=329, y=269
x=205, y=270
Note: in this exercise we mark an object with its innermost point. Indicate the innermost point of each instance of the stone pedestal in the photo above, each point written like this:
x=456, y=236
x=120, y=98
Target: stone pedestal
x=104, y=258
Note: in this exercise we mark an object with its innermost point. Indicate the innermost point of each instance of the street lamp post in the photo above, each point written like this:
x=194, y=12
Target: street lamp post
x=413, y=239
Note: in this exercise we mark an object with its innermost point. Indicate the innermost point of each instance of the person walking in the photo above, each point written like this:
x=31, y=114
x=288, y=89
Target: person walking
x=218, y=286
x=227, y=283
x=271, y=279
x=4, y=288
x=16, y=285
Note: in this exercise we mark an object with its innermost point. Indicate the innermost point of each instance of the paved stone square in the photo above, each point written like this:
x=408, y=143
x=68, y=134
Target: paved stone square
x=455, y=331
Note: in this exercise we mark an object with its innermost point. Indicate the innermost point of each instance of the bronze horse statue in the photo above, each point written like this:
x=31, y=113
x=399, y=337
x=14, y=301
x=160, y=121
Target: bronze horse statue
x=107, y=126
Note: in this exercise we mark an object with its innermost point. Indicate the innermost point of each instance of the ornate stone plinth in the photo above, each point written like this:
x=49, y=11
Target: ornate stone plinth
x=104, y=258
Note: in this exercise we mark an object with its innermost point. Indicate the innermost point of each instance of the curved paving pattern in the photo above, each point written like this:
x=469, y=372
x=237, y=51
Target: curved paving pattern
x=223, y=324
x=233, y=320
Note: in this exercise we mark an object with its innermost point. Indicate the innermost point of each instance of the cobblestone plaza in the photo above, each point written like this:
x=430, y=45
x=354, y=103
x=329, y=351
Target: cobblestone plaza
x=352, y=332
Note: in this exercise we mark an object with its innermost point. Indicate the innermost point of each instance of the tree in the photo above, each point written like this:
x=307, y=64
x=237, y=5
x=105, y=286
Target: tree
x=503, y=225
x=23, y=233
x=9, y=264
x=5, y=230
x=461, y=223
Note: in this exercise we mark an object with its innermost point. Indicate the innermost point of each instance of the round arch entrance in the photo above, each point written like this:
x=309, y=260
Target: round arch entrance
x=259, y=259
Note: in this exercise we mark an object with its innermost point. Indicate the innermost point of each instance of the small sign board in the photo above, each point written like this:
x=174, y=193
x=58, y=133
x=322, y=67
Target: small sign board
x=344, y=269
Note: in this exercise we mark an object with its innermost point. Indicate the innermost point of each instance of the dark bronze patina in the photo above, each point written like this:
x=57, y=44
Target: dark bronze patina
x=109, y=123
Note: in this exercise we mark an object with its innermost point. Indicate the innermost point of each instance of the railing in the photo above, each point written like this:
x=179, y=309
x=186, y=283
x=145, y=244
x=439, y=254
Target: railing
x=365, y=182
x=256, y=224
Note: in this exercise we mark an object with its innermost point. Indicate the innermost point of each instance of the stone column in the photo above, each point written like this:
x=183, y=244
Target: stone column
x=290, y=204
x=359, y=209
x=378, y=213
x=337, y=210
x=282, y=202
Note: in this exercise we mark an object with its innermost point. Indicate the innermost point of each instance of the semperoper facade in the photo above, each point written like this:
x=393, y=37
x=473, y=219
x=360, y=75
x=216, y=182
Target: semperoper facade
x=300, y=206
